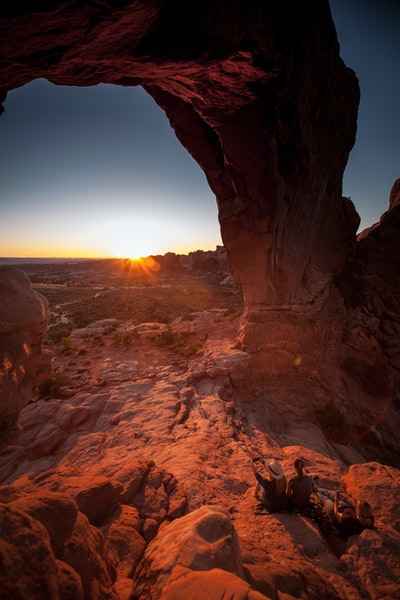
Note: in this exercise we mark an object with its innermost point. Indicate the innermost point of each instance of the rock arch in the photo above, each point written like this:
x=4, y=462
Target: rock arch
x=258, y=94
x=250, y=92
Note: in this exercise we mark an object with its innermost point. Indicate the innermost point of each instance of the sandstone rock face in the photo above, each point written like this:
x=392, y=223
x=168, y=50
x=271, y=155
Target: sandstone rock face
x=148, y=450
x=251, y=92
x=49, y=550
x=263, y=102
x=24, y=317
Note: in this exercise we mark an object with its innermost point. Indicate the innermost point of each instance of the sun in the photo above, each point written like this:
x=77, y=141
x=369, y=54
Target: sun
x=132, y=249
x=133, y=240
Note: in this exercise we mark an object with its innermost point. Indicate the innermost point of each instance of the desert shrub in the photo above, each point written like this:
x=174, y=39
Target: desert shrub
x=125, y=338
x=53, y=384
x=66, y=344
x=167, y=338
x=333, y=423
x=84, y=336
x=57, y=332
x=373, y=379
x=176, y=341
x=192, y=349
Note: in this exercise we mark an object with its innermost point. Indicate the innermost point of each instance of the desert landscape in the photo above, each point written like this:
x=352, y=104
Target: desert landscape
x=128, y=473
x=135, y=395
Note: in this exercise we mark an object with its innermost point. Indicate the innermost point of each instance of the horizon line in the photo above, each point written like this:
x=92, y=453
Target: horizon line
x=22, y=258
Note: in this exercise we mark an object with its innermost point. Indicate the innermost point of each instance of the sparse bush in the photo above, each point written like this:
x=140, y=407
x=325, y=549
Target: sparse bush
x=66, y=344
x=57, y=332
x=176, y=341
x=167, y=338
x=52, y=386
x=125, y=338
x=192, y=349
x=333, y=423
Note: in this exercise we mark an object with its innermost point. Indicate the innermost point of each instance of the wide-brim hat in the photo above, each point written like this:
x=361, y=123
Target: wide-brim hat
x=274, y=468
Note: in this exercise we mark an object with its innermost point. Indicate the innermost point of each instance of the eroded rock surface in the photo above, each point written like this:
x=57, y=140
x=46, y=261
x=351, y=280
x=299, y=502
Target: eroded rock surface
x=145, y=437
x=141, y=476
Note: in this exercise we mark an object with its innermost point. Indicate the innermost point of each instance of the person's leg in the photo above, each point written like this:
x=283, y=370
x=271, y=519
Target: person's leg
x=258, y=492
x=327, y=494
x=328, y=505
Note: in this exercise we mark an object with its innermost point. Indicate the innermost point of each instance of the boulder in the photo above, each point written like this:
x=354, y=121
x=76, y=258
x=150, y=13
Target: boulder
x=56, y=511
x=203, y=540
x=49, y=550
x=24, y=316
x=28, y=566
x=95, y=496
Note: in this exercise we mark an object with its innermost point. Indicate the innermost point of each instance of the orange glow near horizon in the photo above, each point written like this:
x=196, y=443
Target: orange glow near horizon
x=147, y=266
x=93, y=251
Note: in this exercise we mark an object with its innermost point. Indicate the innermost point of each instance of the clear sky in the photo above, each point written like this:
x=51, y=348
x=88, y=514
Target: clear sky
x=99, y=172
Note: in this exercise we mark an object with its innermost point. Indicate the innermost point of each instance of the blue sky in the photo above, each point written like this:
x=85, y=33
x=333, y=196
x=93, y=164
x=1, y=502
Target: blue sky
x=369, y=38
x=99, y=171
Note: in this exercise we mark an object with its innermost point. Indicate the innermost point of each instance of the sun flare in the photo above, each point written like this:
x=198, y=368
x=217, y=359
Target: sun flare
x=139, y=267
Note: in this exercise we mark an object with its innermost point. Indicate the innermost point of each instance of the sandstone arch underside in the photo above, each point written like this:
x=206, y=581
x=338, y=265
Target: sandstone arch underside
x=258, y=94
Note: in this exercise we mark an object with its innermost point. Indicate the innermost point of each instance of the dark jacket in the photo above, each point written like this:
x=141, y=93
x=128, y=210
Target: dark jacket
x=272, y=502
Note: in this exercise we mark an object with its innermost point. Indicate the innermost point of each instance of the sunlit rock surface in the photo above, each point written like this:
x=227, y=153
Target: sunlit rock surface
x=142, y=483
x=142, y=439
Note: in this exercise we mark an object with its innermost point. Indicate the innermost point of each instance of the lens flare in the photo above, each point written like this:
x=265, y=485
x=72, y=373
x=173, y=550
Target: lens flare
x=297, y=361
x=141, y=267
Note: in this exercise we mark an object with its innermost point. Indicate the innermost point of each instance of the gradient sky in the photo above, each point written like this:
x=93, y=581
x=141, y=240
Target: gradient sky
x=99, y=172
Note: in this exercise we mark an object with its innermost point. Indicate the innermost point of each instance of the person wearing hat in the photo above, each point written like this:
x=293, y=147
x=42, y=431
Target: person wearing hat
x=270, y=488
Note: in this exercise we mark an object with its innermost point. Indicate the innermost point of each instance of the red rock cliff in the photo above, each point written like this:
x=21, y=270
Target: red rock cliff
x=260, y=97
x=257, y=94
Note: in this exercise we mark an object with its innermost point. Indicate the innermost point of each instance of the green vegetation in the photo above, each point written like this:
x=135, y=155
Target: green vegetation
x=66, y=344
x=125, y=338
x=51, y=387
x=177, y=341
x=160, y=302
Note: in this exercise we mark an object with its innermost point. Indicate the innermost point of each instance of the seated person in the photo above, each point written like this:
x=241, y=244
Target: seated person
x=270, y=487
x=347, y=518
x=300, y=487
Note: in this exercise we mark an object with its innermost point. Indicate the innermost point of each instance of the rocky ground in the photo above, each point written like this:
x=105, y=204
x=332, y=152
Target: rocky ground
x=130, y=475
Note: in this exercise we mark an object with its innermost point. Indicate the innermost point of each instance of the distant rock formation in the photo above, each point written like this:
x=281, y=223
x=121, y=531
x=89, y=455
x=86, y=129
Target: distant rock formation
x=24, y=316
